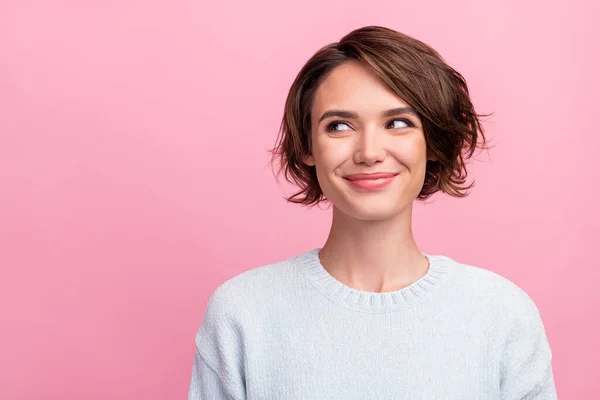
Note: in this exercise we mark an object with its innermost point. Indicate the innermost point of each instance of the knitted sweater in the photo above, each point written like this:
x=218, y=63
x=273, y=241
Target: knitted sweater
x=290, y=330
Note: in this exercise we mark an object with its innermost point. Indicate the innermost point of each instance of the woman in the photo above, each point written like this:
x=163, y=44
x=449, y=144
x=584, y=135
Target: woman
x=372, y=123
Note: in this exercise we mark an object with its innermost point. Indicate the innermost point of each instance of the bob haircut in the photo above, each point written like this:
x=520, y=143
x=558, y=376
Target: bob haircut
x=417, y=74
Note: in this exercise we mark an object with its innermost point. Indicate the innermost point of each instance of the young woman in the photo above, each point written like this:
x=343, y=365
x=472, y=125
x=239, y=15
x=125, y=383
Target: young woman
x=371, y=124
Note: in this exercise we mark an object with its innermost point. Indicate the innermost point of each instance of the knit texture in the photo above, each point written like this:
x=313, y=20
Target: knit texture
x=290, y=330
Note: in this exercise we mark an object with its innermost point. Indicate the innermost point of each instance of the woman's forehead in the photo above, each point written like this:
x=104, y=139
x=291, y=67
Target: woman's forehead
x=355, y=88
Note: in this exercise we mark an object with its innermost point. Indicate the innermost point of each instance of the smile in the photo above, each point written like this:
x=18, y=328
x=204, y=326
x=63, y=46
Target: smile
x=370, y=182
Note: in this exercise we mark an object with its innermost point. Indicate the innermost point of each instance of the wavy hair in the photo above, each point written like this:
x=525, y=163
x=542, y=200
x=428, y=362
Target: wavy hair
x=415, y=72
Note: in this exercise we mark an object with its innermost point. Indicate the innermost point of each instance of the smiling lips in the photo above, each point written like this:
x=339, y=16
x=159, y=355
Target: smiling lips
x=371, y=181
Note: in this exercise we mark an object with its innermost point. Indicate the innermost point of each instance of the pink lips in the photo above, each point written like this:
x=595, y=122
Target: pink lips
x=371, y=181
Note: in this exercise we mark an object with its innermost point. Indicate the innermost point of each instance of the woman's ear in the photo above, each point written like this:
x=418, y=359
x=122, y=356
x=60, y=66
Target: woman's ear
x=309, y=160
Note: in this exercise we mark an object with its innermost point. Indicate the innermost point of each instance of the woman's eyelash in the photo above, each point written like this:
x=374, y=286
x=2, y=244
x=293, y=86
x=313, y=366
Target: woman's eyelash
x=329, y=127
x=334, y=123
x=406, y=121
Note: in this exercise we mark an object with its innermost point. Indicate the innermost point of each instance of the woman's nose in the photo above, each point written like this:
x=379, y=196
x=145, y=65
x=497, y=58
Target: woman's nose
x=369, y=147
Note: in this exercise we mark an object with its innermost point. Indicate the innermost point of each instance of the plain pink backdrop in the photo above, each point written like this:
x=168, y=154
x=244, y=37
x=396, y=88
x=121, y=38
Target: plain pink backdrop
x=134, y=176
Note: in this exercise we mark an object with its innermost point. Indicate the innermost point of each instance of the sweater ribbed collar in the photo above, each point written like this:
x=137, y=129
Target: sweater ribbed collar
x=440, y=268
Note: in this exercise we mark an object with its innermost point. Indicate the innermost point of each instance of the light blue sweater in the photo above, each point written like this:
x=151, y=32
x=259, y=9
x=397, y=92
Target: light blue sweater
x=290, y=330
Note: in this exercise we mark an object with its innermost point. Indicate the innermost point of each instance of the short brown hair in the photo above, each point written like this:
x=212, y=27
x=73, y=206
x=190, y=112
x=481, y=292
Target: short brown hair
x=416, y=73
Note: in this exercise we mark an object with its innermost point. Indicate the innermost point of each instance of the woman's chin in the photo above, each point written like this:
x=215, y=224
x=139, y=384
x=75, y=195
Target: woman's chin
x=369, y=210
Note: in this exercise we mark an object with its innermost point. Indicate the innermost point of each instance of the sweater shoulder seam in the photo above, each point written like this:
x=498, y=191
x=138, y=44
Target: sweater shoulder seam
x=204, y=359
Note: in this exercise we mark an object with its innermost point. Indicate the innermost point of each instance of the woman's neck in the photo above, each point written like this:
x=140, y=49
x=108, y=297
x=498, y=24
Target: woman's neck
x=373, y=255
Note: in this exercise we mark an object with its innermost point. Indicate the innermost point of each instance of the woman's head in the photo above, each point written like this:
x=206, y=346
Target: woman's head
x=377, y=101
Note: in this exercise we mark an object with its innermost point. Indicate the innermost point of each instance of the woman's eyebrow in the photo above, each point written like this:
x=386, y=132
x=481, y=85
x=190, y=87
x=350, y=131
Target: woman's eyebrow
x=338, y=113
x=399, y=110
x=353, y=115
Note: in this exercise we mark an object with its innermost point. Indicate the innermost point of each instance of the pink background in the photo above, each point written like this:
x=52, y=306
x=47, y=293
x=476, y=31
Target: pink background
x=134, y=177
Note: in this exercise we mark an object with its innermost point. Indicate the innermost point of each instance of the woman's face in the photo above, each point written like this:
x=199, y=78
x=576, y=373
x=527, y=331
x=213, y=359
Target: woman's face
x=359, y=126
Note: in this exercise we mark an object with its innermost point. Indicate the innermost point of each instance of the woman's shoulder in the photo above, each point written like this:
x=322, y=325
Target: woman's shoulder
x=258, y=284
x=493, y=290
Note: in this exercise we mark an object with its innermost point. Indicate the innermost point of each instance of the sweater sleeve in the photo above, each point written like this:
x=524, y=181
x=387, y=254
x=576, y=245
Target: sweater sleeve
x=218, y=369
x=526, y=371
x=206, y=383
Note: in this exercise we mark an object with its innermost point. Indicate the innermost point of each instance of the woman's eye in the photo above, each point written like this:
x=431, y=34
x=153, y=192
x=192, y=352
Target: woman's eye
x=335, y=126
x=399, y=123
